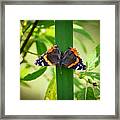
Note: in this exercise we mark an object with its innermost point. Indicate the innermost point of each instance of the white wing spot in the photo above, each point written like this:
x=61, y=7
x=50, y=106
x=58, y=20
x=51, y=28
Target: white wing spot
x=77, y=67
x=42, y=63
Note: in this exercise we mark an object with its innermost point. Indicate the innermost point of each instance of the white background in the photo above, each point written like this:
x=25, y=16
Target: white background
x=104, y=13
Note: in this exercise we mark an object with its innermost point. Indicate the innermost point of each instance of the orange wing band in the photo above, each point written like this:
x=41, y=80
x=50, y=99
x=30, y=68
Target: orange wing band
x=74, y=51
x=50, y=50
x=45, y=57
x=71, y=65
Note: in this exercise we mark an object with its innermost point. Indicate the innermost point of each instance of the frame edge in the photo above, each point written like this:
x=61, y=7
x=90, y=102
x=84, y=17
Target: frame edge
x=2, y=64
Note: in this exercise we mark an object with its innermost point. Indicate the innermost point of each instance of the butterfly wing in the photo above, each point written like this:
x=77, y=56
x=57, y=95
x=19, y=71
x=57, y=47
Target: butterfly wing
x=51, y=57
x=70, y=59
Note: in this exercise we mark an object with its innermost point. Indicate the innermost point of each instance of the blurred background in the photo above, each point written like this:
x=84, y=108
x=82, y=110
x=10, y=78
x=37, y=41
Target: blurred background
x=39, y=83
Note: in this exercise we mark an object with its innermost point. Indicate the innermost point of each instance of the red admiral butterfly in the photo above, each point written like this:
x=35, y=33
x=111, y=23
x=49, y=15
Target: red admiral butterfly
x=69, y=59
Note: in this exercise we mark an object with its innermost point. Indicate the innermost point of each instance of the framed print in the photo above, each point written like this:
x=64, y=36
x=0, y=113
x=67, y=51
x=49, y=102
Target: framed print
x=60, y=59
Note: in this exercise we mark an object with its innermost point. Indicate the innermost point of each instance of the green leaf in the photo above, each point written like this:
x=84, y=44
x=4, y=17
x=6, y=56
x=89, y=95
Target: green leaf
x=51, y=39
x=51, y=93
x=41, y=47
x=24, y=69
x=91, y=74
x=29, y=23
x=35, y=74
x=23, y=83
x=27, y=46
x=46, y=23
x=98, y=50
x=84, y=33
x=95, y=60
x=83, y=46
x=96, y=92
x=76, y=82
x=80, y=95
x=95, y=23
x=97, y=55
x=90, y=94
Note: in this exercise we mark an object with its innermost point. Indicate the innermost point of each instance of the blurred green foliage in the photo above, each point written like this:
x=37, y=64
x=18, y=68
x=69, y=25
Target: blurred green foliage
x=38, y=83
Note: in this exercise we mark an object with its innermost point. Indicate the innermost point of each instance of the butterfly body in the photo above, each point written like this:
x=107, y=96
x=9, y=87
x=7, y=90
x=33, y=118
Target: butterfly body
x=69, y=58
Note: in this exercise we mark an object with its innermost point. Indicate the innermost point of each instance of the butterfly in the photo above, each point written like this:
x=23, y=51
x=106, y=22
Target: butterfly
x=68, y=59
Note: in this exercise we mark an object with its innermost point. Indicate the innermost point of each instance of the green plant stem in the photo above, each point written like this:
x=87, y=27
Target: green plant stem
x=31, y=53
x=24, y=32
x=29, y=35
x=64, y=76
